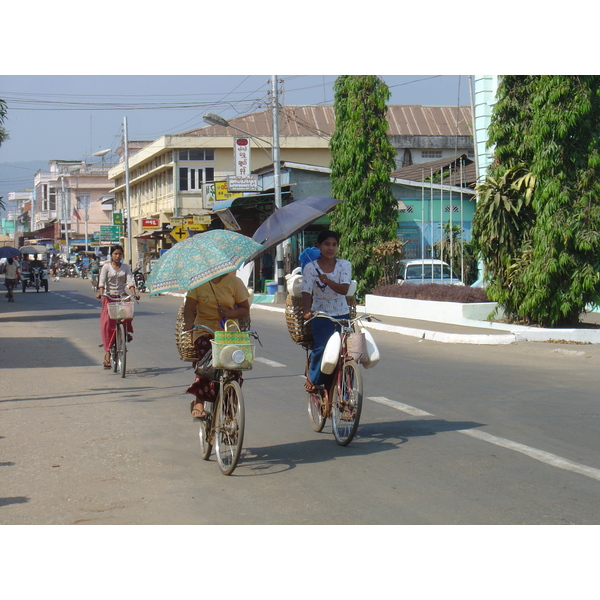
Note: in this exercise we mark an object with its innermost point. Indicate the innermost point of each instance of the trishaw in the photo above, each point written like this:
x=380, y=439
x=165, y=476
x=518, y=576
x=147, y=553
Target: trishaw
x=33, y=274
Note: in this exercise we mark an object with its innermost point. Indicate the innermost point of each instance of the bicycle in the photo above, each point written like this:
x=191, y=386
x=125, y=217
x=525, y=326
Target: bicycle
x=95, y=280
x=224, y=424
x=119, y=310
x=342, y=400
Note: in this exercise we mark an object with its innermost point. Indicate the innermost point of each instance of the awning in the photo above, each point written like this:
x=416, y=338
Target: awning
x=148, y=234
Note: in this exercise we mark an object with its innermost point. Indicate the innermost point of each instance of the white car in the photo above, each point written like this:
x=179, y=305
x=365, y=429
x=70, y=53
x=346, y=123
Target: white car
x=427, y=270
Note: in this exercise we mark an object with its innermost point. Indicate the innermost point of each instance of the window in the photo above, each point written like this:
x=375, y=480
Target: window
x=197, y=154
x=48, y=197
x=431, y=154
x=191, y=179
x=455, y=208
x=407, y=209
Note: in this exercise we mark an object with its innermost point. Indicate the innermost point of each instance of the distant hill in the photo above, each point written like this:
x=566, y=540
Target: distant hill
x=18, y=176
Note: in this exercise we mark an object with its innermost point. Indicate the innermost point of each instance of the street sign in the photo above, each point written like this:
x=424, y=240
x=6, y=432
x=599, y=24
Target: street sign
x=109, y=233
x=150, y=224
x=117, y=218
x=249, y=183
x=179, y=233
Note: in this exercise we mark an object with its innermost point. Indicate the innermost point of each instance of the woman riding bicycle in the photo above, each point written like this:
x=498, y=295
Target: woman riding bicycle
x=324, y=287
x=211, y=304
x=115, y=278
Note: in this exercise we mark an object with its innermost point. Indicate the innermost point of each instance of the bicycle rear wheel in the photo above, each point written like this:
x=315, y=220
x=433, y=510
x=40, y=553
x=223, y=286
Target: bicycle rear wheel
x=121, y=349
x=315, y=411
x=229, y=429
x=347, y=404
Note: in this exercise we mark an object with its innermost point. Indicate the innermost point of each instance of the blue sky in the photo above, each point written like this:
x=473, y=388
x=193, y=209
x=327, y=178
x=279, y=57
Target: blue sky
x=71, y=117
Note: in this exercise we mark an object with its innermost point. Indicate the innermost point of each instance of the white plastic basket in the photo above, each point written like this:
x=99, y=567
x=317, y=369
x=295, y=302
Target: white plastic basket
x=120, y=310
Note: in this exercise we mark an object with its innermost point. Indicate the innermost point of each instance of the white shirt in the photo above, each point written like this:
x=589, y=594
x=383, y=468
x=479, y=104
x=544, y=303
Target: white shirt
x=115, y=281
x=326, y=300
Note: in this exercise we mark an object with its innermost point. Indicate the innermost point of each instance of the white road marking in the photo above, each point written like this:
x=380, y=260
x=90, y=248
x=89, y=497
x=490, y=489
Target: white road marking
x=539, y=455
x=411, y=410
x=268, y=362
x=545, y=457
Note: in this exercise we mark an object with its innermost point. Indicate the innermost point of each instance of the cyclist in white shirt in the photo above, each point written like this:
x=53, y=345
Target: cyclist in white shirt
x=325, y=284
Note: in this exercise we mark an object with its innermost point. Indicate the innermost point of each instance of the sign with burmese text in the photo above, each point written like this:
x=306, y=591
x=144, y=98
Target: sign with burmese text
x=241, y=156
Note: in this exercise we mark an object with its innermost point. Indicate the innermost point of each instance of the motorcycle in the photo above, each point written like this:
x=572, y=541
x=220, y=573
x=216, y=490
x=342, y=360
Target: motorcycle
x=140, y=280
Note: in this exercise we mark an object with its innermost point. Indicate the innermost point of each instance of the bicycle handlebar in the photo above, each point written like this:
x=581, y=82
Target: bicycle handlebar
x=342, y=321
x=125, y=298
x=254, y=334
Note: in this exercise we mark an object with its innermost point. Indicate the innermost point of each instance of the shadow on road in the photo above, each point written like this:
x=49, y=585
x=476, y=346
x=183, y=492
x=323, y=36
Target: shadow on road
x=371, y=438
x=13, y=500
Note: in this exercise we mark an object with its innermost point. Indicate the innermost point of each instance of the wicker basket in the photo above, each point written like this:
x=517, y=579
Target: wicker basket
x=185, y=346
x=294, y=318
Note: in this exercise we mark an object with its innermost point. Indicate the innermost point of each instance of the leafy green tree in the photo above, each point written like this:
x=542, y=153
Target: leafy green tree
x=502, y=229
x=548, y=268
x=361, y=165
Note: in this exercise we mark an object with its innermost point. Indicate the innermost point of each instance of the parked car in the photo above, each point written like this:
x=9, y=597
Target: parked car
x=427, y=270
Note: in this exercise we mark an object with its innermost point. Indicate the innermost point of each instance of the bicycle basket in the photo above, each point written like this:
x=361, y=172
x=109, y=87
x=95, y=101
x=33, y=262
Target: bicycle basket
x=120, y=310
x=356, y=345
x=234, y=357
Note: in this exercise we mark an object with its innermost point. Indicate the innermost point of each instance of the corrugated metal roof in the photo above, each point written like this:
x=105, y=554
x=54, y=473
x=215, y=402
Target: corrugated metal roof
x=422, y=171
x=319, y=120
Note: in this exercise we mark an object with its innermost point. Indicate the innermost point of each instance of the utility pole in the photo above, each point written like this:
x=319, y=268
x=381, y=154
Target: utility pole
x=280, y=295
x=127, y=197
x=65, y=214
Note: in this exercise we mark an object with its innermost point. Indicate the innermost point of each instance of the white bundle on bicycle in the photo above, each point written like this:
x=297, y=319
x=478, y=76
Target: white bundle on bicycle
x=361, y=347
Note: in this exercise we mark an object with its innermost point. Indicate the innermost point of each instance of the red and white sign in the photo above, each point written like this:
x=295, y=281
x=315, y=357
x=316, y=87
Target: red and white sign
x=241, y=156
x=150, y=224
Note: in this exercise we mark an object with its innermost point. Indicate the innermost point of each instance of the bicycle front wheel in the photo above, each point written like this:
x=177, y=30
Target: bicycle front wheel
x=316, y=407
x=229, y=427
x=121, y=349
x=347, y=404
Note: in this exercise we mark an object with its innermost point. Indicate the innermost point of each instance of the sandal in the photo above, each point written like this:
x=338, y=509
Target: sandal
x=198, y=413
x=311, y=388
x=106, y=365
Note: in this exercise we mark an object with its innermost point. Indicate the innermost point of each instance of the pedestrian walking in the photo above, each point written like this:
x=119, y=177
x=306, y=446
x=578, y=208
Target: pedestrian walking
x=11, y=276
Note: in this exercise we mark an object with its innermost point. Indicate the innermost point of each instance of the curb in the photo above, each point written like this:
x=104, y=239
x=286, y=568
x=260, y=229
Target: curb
x=424, y=334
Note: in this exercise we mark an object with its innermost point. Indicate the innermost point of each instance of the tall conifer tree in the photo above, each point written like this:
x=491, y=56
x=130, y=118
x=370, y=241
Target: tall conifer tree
x=361, y=165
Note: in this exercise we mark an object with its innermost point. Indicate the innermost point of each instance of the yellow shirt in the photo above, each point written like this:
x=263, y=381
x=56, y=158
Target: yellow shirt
x=210, y=295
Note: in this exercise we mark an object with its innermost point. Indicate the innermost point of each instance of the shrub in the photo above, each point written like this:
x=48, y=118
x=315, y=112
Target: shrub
x=432, y=291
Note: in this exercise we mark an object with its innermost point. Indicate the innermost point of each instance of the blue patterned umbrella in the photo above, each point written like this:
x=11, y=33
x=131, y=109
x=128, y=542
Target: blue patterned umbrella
x=199, y=259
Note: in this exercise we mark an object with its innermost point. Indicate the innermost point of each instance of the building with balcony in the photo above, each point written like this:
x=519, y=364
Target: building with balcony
x=71, y=202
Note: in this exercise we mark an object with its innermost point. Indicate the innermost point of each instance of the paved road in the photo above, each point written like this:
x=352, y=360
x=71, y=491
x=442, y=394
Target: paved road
x=450, y=434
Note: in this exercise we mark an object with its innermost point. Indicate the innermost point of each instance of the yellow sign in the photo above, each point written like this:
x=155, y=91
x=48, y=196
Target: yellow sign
x=222, y=193
x=179, y=233
x=183, y=231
